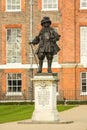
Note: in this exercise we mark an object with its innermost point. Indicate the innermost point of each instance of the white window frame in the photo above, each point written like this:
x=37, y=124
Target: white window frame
x=81, y=79
x=19, y=44
x=49, y=9
x=12, y=10
x=13, y=93
x=83, y=45
x=81, y=4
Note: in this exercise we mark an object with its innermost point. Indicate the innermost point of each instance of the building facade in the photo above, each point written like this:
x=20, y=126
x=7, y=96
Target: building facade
x=19, y=24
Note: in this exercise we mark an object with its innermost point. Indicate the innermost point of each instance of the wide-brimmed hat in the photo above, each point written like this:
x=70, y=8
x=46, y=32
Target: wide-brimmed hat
x=45, y=19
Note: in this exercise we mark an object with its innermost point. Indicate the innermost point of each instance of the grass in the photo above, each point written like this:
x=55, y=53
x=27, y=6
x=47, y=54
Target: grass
x=61, y=108
x=10, y=113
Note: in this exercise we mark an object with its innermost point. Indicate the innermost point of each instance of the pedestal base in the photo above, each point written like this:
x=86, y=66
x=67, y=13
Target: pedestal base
x=45, y=116
x=45, y=98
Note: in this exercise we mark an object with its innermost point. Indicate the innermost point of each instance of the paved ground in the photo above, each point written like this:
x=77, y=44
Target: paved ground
x=78, y=115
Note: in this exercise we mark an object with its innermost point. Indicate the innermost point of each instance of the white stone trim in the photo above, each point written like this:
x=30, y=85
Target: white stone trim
x=34, y=66
x=83, y=94
x=14, y=94
x=71, y=65
x=27, y=66
x=17, y=66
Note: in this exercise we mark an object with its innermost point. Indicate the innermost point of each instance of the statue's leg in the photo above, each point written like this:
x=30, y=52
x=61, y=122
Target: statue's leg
x=41, y=57
x=49, y=66
x=40, y=66
x=49, y=60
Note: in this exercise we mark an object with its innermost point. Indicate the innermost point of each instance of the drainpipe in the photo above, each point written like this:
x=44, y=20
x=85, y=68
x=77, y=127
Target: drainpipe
x=31, y=54
x=75, y=47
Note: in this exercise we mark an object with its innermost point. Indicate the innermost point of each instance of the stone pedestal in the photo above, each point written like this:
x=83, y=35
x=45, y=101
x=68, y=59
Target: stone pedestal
x=45, y=97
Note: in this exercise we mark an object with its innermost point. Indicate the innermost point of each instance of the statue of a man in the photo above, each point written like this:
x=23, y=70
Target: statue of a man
x=46, y=39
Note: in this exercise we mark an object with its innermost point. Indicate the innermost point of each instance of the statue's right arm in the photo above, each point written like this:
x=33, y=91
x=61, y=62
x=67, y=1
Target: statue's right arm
x=35, y=40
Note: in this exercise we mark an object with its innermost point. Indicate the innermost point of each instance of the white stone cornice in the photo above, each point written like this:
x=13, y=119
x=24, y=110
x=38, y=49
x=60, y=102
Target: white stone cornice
x=34, y=66
x=71, y=65
x=27, y=66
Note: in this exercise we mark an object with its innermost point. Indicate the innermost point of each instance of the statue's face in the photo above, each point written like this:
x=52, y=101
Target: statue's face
x=47, y=24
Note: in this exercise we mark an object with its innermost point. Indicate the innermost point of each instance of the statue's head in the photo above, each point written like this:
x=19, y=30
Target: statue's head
x=45, y=20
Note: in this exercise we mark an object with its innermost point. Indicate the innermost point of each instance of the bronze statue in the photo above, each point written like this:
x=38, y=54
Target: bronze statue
x=46, y=39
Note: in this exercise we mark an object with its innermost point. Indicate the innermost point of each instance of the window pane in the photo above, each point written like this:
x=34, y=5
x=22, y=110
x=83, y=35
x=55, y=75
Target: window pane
x=13, y=76
x=83, y=4
x=18, y=7
x=19, y=89
x=14, y=89
x=50, y=4
x=45, y=1
x=84, y=89
x=49, y=1
x=13, y=41
x=9, y=76
x=9, y=7
x=84, y=82
x=10, y=89
x=9, y=82
x=13, y=5
x=54, y=6
x=18, y=76
x=83, y=44
x=55, y=1
x=13, y=2
x=83, y=75
x=14, y=82
x=8, y=1
x=19, y=82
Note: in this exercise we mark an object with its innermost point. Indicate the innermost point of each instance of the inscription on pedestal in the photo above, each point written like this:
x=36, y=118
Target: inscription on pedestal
x=43, y=96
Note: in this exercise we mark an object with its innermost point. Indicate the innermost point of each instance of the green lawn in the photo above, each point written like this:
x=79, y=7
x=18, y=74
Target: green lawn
x=9, y=113
x=61, y=108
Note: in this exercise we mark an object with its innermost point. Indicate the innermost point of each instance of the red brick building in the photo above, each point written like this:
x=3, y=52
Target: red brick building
x=20, y=23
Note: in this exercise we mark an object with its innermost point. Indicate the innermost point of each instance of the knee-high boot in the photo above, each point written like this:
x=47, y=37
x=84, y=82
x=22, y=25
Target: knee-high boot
x=40, y=66
x=49, y=66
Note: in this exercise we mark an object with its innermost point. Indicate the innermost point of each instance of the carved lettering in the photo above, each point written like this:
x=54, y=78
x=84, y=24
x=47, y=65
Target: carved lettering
x=43, y=96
